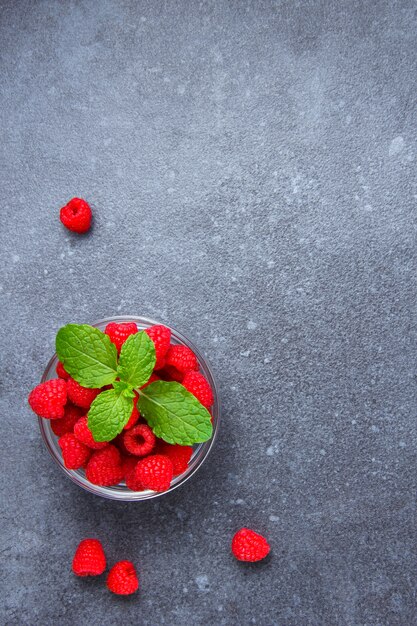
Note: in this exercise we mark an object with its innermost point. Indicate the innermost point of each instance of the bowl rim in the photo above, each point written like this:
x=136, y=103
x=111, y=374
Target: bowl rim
x=111, y=493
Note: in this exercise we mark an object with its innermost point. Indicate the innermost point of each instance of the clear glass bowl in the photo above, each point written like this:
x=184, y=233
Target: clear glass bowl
x=120, y=491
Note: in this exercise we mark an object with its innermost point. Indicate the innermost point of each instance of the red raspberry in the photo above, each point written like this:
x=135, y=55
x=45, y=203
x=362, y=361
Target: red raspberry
x=81, y=396
x=179, y=455
x=105, y=468
x=122, y=578
x=161, y=337
x=199, y=387
x=169, y=373
x=74, y=453
x=66, y=424
x=135, y=415
x=249, y=546
x=83, y=434
x=76, y=215
x=155, y=472
x=182, y=358
x=118, y=333
x=152, y=379
x=140, y=440
x=129, y=467
x=61, y=371
x=48, y=399
x=89, y=558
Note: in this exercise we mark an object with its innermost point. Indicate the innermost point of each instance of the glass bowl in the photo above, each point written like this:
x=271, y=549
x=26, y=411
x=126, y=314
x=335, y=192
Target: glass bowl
x=120, y=491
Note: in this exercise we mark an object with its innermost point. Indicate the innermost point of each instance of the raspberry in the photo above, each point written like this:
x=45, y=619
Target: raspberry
x=48, y=399
x=122, y=578
x=171, y=373
x=118, y=333
x=179, y=455
x=249, y=546
x=155, y=472
x=89, y=558
x=66, y=424
x=140, y=440
x=105, y=468
x=135, y=415
x=199, y=387
x=161, y=337
x=74, y=453
x=81, y=396
x=182, y=358
x=61, y=371
x=76, y=215
x=83, y=434
x=152, y=379
x=129, y=467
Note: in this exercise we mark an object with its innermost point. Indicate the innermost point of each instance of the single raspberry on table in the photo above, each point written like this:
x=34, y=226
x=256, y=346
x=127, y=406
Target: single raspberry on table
x=48, y=399
x=104, y=467
x=81, y=396
x=180, y=455
x=135, y=415
x=76, y=215
x=122, y=578
x=139, y=440
x=74, y=453
x=182, y=358
x=119, y=332
x=84, y=434
x=129, y=467
x=161, y=337
x=60, y=370
x=66, y=424
x=155, y=472
x=89, y=558
x=247, y=545
x=199, y=386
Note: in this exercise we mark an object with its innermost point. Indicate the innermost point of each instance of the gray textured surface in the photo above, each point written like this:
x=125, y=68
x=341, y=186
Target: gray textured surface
x=250, y=167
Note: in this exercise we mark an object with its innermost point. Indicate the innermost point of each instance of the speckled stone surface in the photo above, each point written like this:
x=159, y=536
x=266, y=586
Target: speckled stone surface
x=250, y=166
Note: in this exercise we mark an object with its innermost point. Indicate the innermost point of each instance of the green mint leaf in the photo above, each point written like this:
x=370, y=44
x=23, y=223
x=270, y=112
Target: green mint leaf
x=88, y=355
x=174, y=414
x=137, y=359
x=108, y=414
x=121, y=387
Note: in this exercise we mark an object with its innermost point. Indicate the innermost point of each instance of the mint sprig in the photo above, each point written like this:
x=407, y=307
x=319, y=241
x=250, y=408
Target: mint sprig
x=172, y=412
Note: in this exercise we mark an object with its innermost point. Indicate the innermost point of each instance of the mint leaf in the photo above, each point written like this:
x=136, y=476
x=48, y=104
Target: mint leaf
x=174, y=414
x=137, y=359
x=121, y=387
x=88, y=355
x=108, y=414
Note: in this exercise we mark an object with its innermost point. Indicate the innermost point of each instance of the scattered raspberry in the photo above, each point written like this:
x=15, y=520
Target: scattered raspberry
x=139, y=440
x=249, y=546
x=89, y=558
x=135, y=415
x=76, y=215
x=61, y=371
x=199, y=387
x=129, y=467
x=81, y=396
x=74, y=453
x=180, y=455
x=66, y=424
x=161, y=336
x=118, y=333
x=83, y=434
x=122, y=578
x=104, y=467
x=182, y=358
x=155, y=472
x=48, y=399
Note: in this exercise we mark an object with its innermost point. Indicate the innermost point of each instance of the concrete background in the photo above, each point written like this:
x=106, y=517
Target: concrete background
x=250, y=166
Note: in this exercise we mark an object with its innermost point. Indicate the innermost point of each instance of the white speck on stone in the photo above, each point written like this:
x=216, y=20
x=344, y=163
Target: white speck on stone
x=45, y=271
x=353, y=422
x=270, y=451
x=396, y=146
x=240, y=501
x=202, y=582
x=271, y=264
x=267, y=359
x=374, y=429
x=402, y=444
x=181, y=90
x=273, y=518
x=245, y=353
x=323, y=452
x=373, y=459
x=185, y=589
x=15, y=258
x=251, y=325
